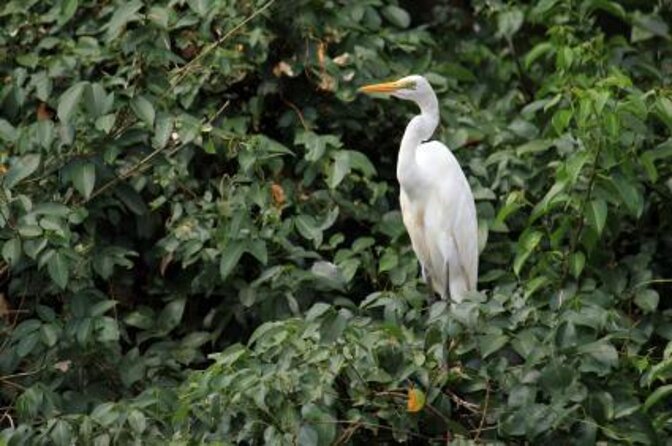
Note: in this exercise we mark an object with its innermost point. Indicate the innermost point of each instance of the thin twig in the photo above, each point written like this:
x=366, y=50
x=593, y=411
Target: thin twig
x=140, y=166
x=577, y=235
x=347, y=433
x=485, y=412
x=652, y=281
x=184, y=70
x=297, y=111
x=124, y=175
x=521, y=73
x=12, y=384
x=471, y=407
x=5, y=414
x=378, y=426
x=219, y=111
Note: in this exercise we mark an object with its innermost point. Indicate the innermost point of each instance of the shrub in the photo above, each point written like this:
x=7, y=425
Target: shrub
x=185, y=178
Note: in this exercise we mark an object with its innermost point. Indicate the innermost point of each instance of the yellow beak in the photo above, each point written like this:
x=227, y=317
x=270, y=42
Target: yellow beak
x=385, y=87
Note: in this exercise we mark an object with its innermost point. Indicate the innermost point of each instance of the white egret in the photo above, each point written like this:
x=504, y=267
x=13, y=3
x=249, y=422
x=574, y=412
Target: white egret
x=436, y=201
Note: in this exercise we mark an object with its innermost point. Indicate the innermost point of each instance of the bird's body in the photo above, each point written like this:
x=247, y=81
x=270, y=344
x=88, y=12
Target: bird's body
x=437, y=205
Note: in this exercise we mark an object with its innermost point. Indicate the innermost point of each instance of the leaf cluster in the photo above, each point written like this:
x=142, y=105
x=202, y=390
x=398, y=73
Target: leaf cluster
x=188, y=178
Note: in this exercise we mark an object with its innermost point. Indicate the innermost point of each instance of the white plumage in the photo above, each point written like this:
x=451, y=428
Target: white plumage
x=436, y=201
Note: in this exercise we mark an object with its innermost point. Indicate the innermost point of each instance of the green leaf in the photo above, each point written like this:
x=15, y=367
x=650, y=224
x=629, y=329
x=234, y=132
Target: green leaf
x=333, y=327
x=58, y=267
x=317, y=310
x=162, y=130
x=397, y=16
x=107, y=329
x=321, y=421
x=200, y=7
x=308, y=436
x=230, y=258
x=663, y=109
x=265, y=330
x=316, y=144
x=552, y=197
x=534, y=285
x=105, y=414
x=596, y=214
x=602, y=351
x=27, y=344
x=144, y=110
x=84, y=331
x=171, y=315
x=360, y=162
x=388, y=261
x=137, y=421
x=647, y=26
x=534, y=146
x=68, y=10
x=83, y=177
x=45, y=133
x=608, y=6
x=489, y=344
x=159, y=16
x=556, y=377
x=561, y=120
x=61, y=433
x=339, y=169
x=131, y=199
x=308, y=228
x=102, y=307
x=647, y=300
x=629, y=193
x=576, y=263
x=537, y=51
x=123, y=14
x=96, y=101
x=49, y=334
x=660, y=394
x=526, y=244
x=564, y=58
x=258, y=249
x=11, y=251
x=141, y=318
x=328, y=274
x=28, y=231
x=69, y=100
x=51, y=209
x=612, y=124
x=105, y=123
x=7, y=131
x=509, y=22
x=21, y=169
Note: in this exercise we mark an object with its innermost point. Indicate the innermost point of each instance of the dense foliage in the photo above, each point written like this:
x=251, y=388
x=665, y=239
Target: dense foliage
x=201, y=240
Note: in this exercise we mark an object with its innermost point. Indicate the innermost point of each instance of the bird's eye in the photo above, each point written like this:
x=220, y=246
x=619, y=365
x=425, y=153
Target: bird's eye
x=409, y=85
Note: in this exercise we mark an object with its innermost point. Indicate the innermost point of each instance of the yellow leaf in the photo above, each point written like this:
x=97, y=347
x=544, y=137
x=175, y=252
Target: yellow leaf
x=416, y=400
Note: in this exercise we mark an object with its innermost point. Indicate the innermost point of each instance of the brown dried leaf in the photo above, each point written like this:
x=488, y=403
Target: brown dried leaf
x=327, y=82
x=343, y=59
x=278, y=194
x=165, y=261
x=43, y=112
x=283, y=68
x=5, y=309
x=321, y=52
x=63, y=366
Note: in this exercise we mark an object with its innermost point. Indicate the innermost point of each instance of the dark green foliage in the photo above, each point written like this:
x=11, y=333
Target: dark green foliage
x=189, y=178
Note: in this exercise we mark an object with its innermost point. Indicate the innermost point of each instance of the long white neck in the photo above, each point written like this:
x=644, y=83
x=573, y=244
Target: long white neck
x=420, y=129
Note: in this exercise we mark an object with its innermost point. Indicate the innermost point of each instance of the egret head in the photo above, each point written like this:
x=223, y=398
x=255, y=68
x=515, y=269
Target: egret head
x=412, y=88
